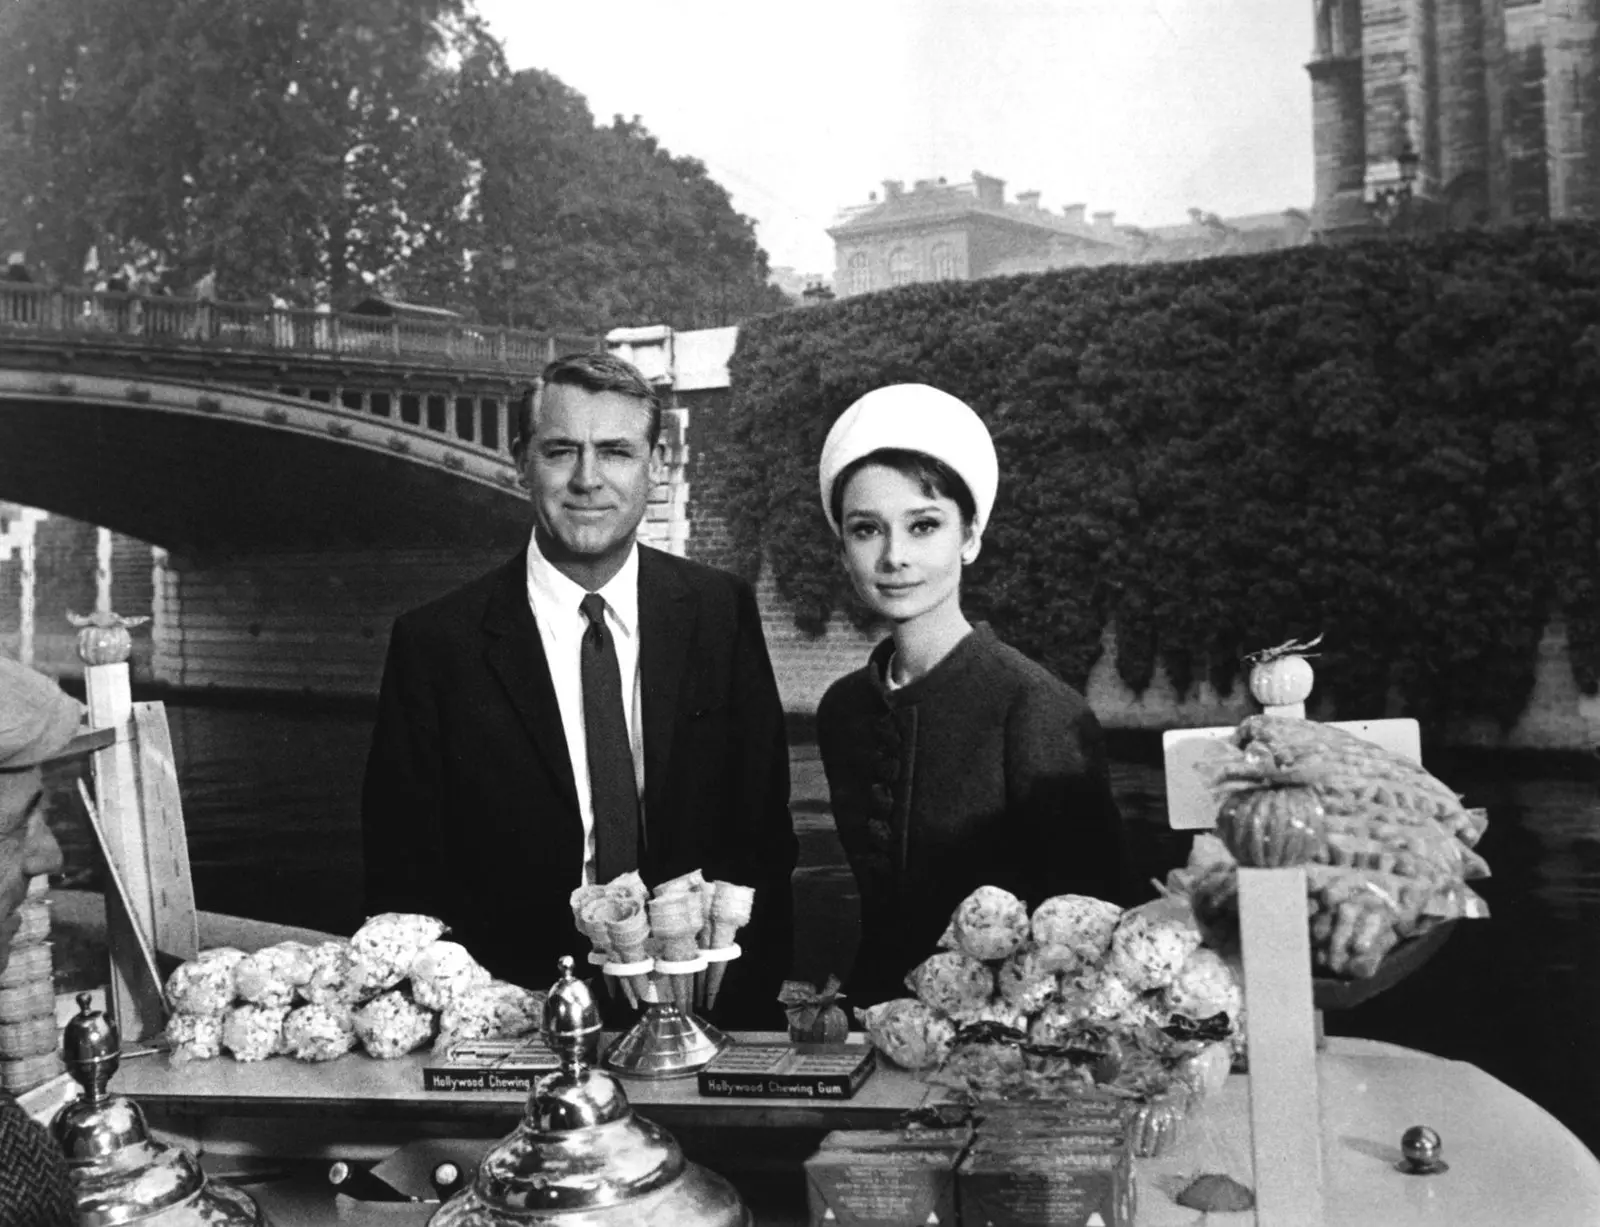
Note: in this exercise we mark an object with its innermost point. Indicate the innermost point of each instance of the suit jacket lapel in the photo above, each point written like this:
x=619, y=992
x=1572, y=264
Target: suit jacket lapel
x=516, y=656
x=666, y=625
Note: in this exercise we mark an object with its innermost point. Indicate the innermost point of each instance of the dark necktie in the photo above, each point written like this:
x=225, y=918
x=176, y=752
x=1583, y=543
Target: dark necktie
x=611, y=780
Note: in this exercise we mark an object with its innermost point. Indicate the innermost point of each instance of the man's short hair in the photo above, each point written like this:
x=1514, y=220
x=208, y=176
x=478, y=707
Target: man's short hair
x=592, y=371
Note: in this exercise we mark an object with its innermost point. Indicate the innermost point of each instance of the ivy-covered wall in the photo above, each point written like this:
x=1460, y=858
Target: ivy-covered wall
x=1395, y=445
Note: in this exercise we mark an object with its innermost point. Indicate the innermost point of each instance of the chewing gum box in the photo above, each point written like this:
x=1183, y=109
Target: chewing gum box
x=1034, y=1179
x=886, y=1178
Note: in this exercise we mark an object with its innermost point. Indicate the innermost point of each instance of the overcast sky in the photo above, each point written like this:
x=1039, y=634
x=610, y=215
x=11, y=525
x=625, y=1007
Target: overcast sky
x=1145, y=107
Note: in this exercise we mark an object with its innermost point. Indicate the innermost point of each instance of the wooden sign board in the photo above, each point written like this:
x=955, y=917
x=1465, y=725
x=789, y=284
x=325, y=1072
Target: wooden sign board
x=1190, y=806
x=176, y=925
x=1285, y=1116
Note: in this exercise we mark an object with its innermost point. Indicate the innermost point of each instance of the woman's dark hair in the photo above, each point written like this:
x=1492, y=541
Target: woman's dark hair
x=934, y=478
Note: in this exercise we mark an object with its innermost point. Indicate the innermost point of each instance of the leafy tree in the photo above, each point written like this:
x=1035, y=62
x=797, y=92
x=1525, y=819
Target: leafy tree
x=605, y=226
x=320, y=149
x=283, y=144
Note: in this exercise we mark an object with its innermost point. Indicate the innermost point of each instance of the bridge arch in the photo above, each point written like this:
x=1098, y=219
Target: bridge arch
x=209, y=468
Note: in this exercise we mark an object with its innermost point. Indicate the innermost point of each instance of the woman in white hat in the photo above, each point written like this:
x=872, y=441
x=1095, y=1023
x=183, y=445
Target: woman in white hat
x=953, y=760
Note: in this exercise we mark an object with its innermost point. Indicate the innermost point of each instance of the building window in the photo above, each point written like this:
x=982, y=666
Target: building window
x=900, y=271
x=943, y=259
x=857, y=278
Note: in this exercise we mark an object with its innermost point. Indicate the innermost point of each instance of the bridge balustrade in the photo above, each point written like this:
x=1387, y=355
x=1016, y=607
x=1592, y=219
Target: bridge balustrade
x=182, y=322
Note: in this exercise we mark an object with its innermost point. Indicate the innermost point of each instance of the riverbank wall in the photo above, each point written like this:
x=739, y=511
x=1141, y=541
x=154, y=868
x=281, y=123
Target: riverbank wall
x=329, y=640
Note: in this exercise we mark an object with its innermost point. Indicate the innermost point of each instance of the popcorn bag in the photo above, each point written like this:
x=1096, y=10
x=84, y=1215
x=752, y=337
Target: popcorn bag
x=1082, y=1000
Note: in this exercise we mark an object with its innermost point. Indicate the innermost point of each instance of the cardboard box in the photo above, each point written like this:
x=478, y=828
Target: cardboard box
x=1083, y=1180
x=1054, y=1118
x=887, y=1178
x=788, y=1071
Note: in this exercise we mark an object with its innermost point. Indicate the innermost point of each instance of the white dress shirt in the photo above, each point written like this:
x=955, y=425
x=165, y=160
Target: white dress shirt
x=555, y=600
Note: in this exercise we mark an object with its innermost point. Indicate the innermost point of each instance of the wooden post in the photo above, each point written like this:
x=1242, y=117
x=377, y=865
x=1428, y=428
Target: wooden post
x=135, y=997
x=102, y=570
x=135, y=1002
x=1285, y=1115
x=28, y=555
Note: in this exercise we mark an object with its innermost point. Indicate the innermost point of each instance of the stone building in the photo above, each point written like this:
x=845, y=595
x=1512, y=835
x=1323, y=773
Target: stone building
x=939, y=231
x=1454, y=112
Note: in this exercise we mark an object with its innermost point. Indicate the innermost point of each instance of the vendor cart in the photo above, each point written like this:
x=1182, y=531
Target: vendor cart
x=1316, y=1128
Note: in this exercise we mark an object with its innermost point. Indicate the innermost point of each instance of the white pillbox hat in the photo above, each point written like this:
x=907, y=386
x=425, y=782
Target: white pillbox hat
x=913, y=417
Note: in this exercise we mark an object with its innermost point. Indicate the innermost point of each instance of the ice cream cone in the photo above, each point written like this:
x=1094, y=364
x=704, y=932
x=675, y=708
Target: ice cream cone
x=714, y=975
x=628, y=930
x=731, y=906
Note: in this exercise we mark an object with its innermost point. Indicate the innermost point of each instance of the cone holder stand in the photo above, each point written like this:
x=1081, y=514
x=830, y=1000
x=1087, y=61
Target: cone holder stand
x=670, y=1040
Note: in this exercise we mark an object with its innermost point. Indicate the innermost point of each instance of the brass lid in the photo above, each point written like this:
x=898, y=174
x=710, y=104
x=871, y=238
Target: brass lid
x=120, y=1174
x=579, y=1146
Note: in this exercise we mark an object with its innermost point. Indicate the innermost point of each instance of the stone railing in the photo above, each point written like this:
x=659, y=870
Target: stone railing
x=178, y=323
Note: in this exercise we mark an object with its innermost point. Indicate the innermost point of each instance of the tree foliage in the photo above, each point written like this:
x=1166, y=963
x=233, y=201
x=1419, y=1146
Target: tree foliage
x=321, y=150
x=1394, y=444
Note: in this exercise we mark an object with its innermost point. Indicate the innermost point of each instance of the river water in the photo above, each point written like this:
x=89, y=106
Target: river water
x=271, y=802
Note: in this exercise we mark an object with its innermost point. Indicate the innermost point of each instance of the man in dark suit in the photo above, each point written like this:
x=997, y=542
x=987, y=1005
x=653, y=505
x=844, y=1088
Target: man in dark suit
x=488, y=797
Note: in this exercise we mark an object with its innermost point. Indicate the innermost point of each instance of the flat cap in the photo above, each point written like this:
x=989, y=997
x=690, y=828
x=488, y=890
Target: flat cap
x=38, y=720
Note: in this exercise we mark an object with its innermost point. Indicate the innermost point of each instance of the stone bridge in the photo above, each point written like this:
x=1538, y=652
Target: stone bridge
x=302, y=476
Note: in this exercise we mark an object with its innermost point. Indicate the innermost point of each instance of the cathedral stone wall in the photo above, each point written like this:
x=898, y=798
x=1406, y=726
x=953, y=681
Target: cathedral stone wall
x=1491, y=106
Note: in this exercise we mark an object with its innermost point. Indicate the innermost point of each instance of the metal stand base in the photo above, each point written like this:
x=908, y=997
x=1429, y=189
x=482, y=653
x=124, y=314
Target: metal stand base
x=665, y=1043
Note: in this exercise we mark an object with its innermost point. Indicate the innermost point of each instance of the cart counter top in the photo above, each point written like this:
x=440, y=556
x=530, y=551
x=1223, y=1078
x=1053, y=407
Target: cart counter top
x=1509, y=1160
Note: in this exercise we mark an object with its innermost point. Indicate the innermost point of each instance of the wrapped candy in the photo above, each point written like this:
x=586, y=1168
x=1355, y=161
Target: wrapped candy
x=1003, y=1014
x=1058, y=1021
x=814, y=1017
x=254, y=1032
x=989, y=924
x=319, y=1032
x=953, y=983
x=194, y=1037
x=908, y=1033
x=273, y=975
x=386, y=946
x=335, y=977
x=496, y=1010
x=443, y=971
x=1152, y=942
x=1075, y=930
x=391, y=1025
x=1206, y=985
x=204, y=985
x=1104, y=996
x=1028, y=980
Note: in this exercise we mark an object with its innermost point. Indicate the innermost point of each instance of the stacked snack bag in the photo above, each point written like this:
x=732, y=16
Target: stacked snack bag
x=389, y=989
x=672, y=944
x=1080, y=999
x=28, y=1032
x=1388, y=849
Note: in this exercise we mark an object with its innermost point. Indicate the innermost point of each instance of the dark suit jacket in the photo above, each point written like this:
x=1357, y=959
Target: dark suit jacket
x=469, y=811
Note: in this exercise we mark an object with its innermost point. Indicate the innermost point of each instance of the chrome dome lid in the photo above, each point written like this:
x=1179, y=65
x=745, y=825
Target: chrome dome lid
x=580, y=1155
x=120, y=1174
